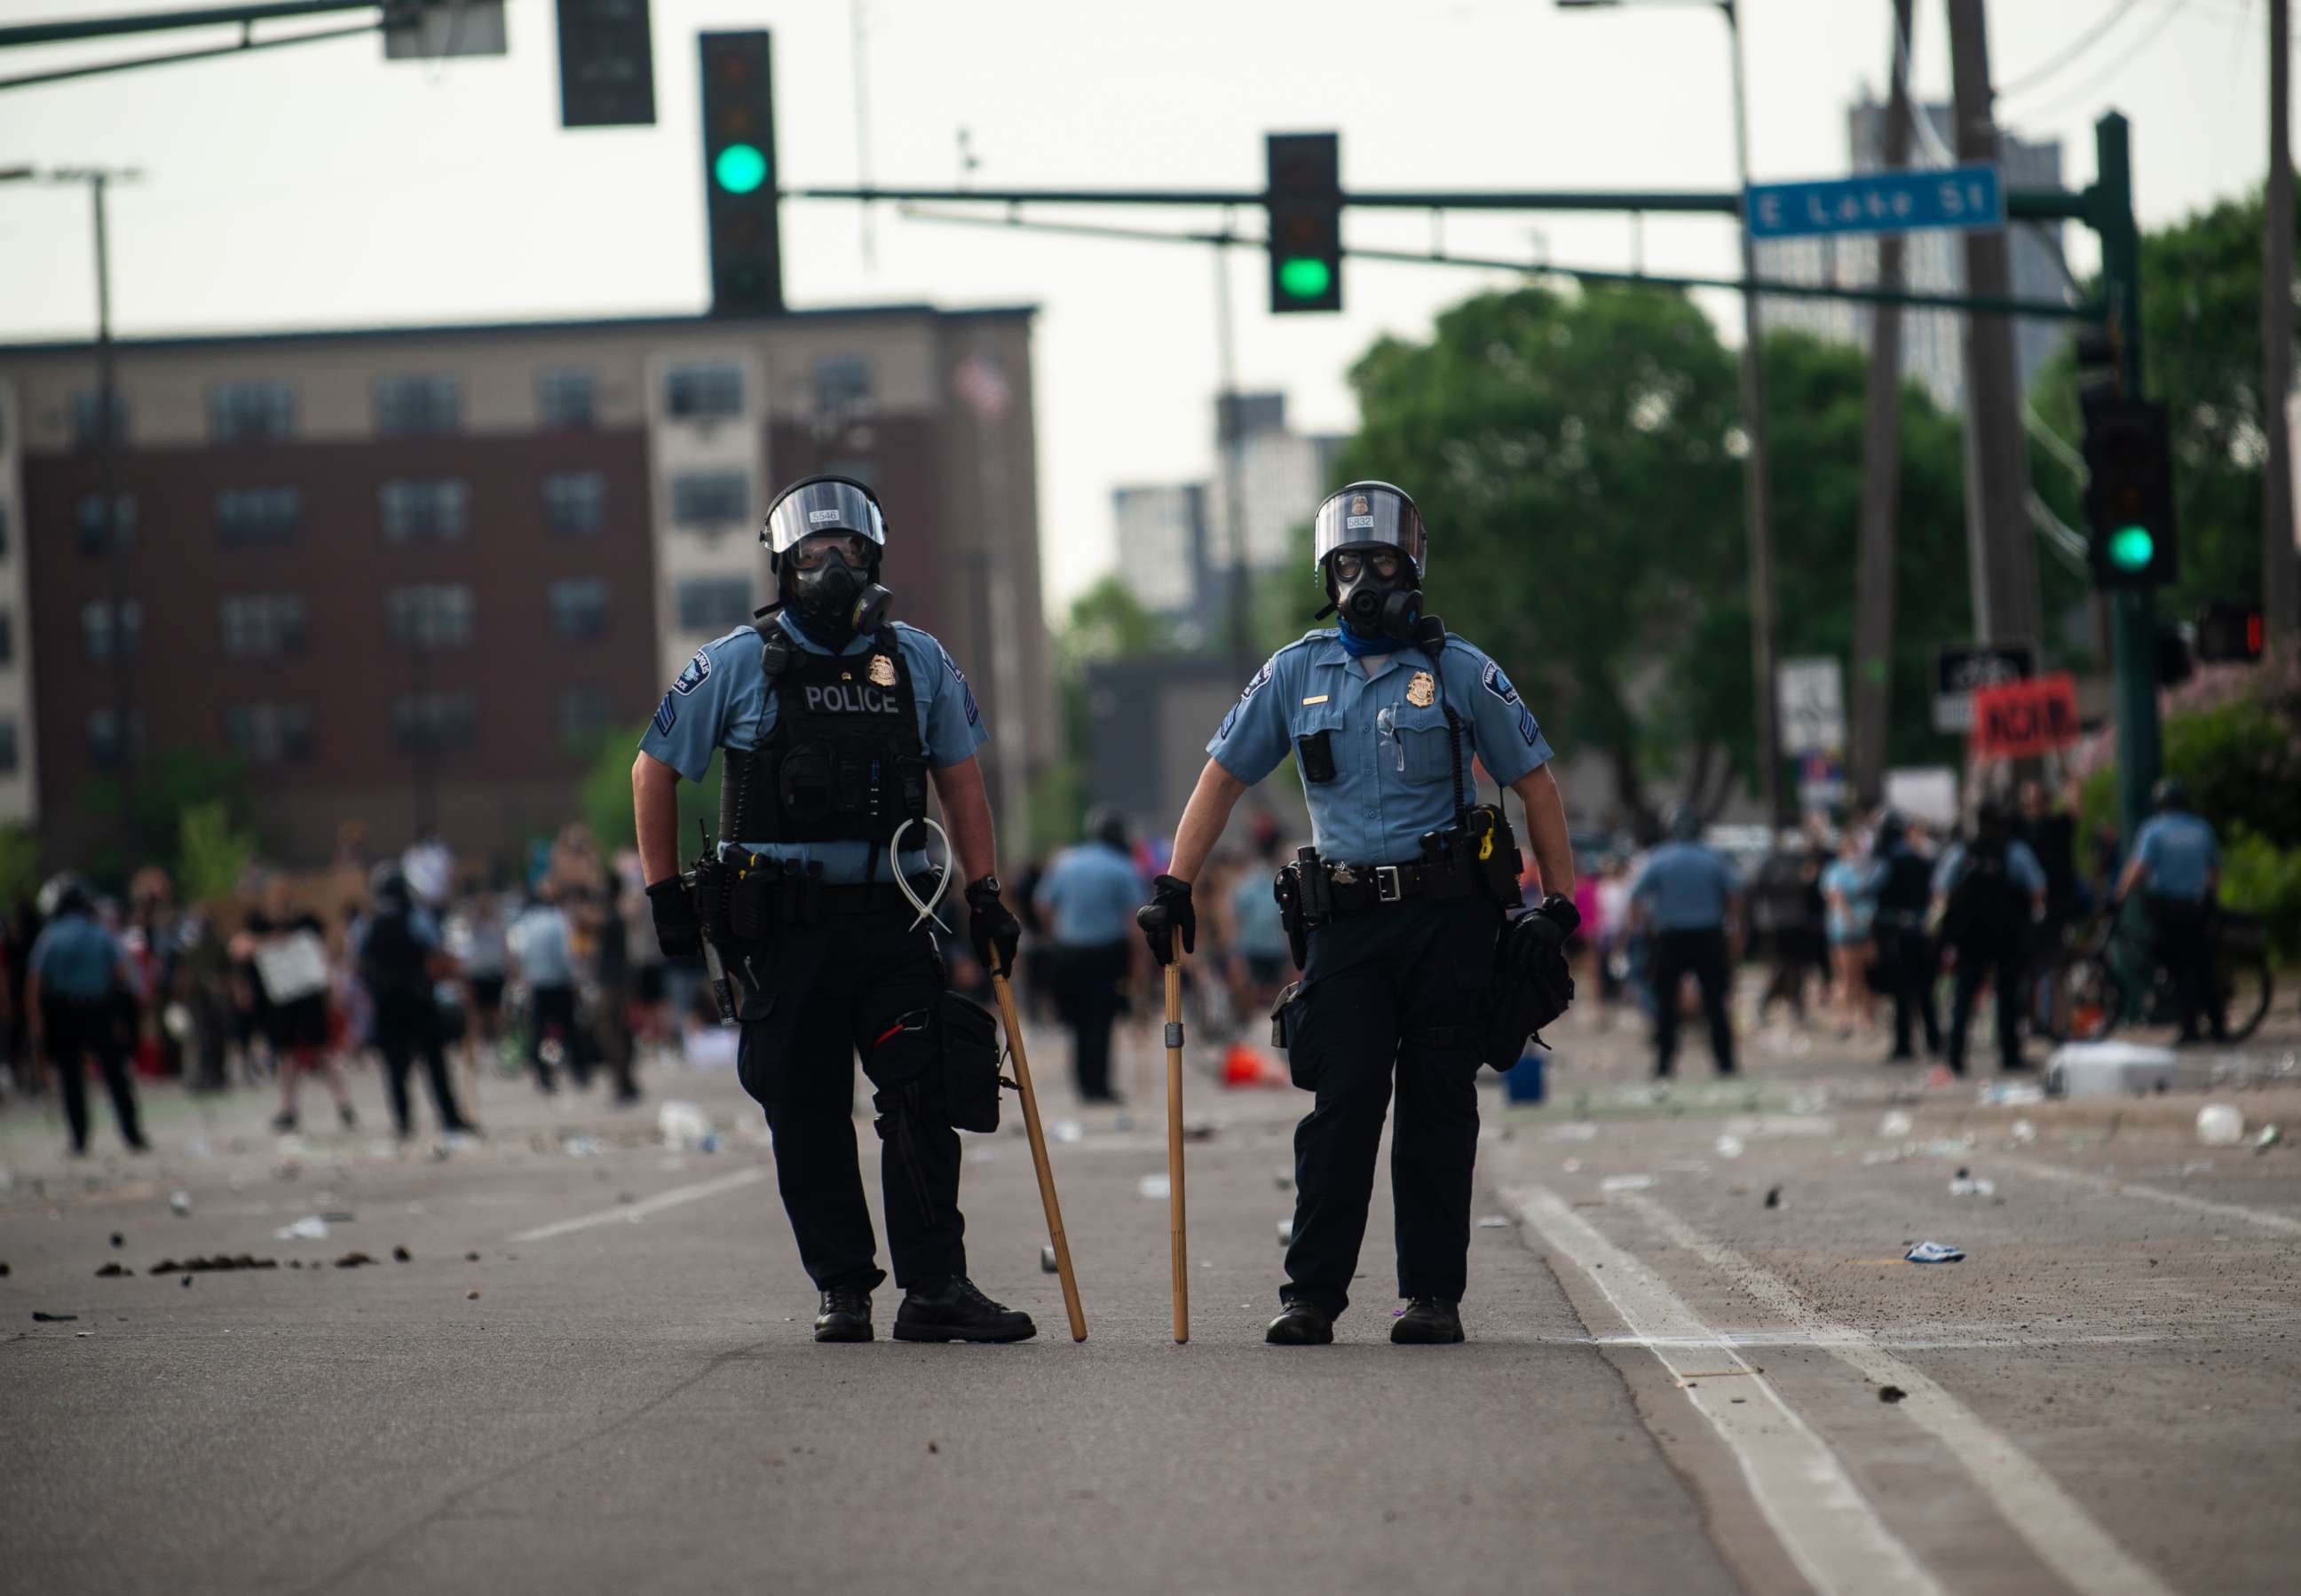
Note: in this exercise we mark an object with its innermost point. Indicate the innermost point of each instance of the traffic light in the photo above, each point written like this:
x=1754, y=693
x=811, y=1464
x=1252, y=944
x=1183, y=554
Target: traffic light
x=2129, y=496
x=739, y=175
x=606, y=65
x=1304, y=193
x=2229, y=633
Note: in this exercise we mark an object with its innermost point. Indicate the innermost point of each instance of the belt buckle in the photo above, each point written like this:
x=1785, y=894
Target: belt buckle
x=1387, y=888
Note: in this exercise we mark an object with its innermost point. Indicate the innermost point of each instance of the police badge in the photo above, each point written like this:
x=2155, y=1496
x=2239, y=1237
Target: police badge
x=882, y=670
x=1422, y=692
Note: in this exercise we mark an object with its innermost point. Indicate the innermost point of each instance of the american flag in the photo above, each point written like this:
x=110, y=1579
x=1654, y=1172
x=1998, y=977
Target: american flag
x=982, y=385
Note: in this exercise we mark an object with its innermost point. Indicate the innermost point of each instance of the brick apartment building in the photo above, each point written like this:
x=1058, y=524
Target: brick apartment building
x=415, y=574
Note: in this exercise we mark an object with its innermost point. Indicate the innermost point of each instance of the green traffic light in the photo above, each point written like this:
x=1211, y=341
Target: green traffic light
x=1304, y=277
x=739, y=168
x=2132, y=548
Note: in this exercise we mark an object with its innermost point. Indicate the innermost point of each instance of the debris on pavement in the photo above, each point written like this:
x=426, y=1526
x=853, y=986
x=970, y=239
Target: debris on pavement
x=210, y=1266
x=118, y=1240
x=3, y=1271
x=1891, y=1393
x=179, y=1203
x=41, y=1318
x=1284, y=1180
x=353, y=1260
x=471, y=1257
x=401, y=1254
x=1201, y=1129
x=1773, y=1197
x=681, y=1125
x=1935, y=1252
x=2268, y=1137
x=1966, y=1184
x=311, y=1228
x=1154, y=1188
x=1047, y=1260
x=579, y=1146
x=1493, y=1222
x=471, y=1296
x=1625, y=1182
x=2024, y=1133
x=2012, y=1093
x=1730, y=1146
x=2221, y=1125
x=1286, y=1232
x=1068, y=1132
x=1896, y=1123
x=186, y=1282
x=111, y=1271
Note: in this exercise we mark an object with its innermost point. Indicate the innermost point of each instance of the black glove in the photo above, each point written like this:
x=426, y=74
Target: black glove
x=989, y=925
x=1534, y=953
x=678, y=931
x=1168, y=911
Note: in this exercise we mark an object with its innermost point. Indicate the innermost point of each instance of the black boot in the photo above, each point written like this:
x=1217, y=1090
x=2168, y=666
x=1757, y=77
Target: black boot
x=1302, y=1324
x=1428, y=1322
x=846, y=1316
x=953, y=1310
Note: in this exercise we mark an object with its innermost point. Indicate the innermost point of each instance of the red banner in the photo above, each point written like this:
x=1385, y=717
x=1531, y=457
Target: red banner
x=2021, y=719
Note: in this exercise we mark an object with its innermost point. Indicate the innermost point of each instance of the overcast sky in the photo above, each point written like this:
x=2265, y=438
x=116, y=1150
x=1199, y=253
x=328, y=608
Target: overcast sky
x=321, y=186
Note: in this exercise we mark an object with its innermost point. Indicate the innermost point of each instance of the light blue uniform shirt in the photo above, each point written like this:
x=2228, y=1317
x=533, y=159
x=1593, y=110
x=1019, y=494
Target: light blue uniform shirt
x=1684, y=886
x=76, y=959
x=1857, y=882
x=1093, y=891
x=540, y=938
x=2180, y=854
x=720, y=701
x=1394, y=761
x=2021, y=868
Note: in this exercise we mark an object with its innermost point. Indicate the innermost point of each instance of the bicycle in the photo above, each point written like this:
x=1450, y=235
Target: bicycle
x=2121, y=981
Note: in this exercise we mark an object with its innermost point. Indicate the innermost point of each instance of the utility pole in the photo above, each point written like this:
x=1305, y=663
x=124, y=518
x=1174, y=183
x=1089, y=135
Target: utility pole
x=1881, y=478
x=2280, y=562
x=2001, y=551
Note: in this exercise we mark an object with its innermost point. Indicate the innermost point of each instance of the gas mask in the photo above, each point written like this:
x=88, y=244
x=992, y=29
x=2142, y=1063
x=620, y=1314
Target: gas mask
x=1374, y=604
x=834, y=598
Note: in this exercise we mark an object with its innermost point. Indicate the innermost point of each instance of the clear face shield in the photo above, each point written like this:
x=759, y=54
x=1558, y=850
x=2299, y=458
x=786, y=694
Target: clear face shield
x=826, y=537
x=1368, y=544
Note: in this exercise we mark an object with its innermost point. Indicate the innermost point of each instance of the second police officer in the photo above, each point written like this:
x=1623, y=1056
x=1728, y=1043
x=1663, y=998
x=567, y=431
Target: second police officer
x=1418, y=962
x=835, y=722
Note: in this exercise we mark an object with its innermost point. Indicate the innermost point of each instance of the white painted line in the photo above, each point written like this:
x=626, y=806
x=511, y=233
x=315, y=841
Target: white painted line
x=2121, y=1188
x=2059, y=1531
x=631, y=1213
x=1831, y=1532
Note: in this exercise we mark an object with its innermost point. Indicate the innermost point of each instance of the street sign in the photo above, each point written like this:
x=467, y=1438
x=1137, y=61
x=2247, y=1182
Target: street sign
x=1809, y=702
x=2021, y=720
x=1878, y=202
x=1961, y=668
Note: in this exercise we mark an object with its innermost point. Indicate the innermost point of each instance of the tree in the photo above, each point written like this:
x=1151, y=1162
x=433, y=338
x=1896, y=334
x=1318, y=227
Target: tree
x=605, y=798
x=177, y=781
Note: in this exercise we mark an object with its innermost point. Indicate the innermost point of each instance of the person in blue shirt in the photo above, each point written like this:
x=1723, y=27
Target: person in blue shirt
x=1087, y=900
x=1686, y=897
x=835, y=722
x=545, y=951
x=2177, y=862
x=1401, y=907
x=1259, y=930
x=1849, y=888
x=77, y=973
x=1987, y=893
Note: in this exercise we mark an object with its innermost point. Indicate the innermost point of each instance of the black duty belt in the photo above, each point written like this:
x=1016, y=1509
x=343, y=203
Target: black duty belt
x=1360, y=889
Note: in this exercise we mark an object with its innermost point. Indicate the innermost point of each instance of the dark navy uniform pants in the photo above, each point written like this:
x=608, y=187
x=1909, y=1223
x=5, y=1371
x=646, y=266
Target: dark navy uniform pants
x=827, y=992
x=1396, y=991
x=1702, y=954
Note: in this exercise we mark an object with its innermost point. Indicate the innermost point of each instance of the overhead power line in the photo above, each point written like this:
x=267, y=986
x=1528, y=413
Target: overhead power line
x=2077, y=47
x=2093, y=84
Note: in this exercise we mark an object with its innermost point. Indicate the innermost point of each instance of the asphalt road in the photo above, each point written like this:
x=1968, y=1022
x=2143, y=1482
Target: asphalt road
x=1671, y=1386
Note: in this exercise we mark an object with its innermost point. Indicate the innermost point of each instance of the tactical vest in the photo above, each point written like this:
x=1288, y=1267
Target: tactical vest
x=845, y=761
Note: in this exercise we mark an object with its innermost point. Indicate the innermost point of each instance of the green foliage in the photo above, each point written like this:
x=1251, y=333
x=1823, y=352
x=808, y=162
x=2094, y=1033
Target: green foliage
x=19, y=864
x=605, y=798
x=2242, y=762
x=169, y=785
x=2260, y=878
x=212, y=854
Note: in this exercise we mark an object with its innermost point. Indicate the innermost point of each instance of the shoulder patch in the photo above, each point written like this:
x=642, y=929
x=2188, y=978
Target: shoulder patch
x=1260, y=680
x=693, y=676
x=1526, y=726
x=1491, y=679
x=667, y=715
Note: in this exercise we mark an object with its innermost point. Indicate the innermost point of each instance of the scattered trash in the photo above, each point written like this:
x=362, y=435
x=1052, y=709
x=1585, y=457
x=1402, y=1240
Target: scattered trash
x=581, y=1146
x=1773, y=1197
x=681, y=1125
x=219, y=1264
x=1964, y=1184
x=1068, y=1132
x=179, y=1203
x=41, y=1318
x=2268, y=1137
x=353, y=1260
x=3, y=1271
x=1493, y=1222
x=1201, y=1129
x=1284, y=1180
x=1882, y=1155
x=1572, y=1167
x=118, y=1240
x=2012, y=1093
x=471, y=1296
x=1891, y=1393
x=1153, y=1188
x=1896, y=1123
x=933, y=1448
x=1286, y=1232
x=471, y=1257
x=1935, y=1252
x=186, y=1282
x=2108, y=1070
x=1730, y=1146
x=2221, y=1125
x=2024, y=1132
x=1625, y=1182
x=111, y=1271
x=1574, y=1131
x=1047, y=1260
x=401, y=1254
x=311, y=1228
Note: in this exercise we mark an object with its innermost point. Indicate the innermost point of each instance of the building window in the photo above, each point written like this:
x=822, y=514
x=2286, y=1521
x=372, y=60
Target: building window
x=842, y=385
x=856, y=468
x=565, y=396
x=579, y=607
x=103, y=742
x=246, y=515
x=431, y=723
x=425, y=507
x=700, y=392
x=269, y=733
x=9, y=757
x=88, y=514
x=714, y=603
x=251, y=413
x=710, y=500
x=259, y=625
x=584, y=715
x=86, y=434
x=96, y=630
x=409, y=405
x=576, y=502
x=437, y=615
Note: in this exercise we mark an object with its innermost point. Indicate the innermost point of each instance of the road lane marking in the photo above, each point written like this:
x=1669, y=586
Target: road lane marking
x=1828, y=1529
x=631, y=1213
x=2059, y=1531
x=2199, y=1205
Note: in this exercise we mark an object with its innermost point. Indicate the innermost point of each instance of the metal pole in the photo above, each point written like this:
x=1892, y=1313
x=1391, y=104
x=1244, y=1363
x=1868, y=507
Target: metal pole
x=1242, y=623
x=2133, y=611
x=1757, y=493
x=1881, y=480
x=107, y=496
x=2280, y=563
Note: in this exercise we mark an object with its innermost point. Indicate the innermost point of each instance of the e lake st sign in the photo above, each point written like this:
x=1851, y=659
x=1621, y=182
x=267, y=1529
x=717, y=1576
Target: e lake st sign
x=1883, y=202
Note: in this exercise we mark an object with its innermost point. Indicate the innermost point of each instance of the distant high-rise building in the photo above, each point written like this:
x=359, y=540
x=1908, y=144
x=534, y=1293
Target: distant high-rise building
x=1162, y=544
x=1932, y=262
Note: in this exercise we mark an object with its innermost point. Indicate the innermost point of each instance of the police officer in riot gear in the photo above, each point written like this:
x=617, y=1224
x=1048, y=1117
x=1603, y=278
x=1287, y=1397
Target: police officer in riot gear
x=835, y=721
x=1420, y=960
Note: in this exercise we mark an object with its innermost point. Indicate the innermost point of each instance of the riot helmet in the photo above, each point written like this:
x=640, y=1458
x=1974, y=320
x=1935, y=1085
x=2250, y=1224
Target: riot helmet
x=824, y=536
x=1370, y=548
